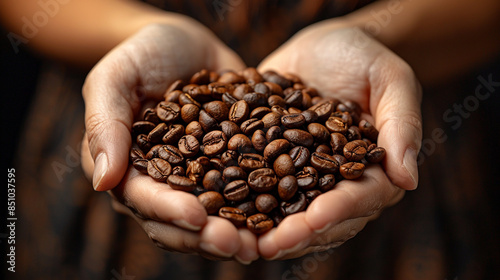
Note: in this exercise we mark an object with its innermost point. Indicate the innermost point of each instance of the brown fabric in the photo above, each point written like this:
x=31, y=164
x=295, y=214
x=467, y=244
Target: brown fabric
x=447, y=229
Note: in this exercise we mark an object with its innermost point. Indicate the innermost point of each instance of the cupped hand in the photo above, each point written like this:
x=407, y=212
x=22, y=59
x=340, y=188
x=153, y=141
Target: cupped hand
x=345, y=63
x=142, y=68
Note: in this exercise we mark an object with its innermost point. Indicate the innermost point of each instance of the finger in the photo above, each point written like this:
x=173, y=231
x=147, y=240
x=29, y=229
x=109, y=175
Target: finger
x=248, y=251
x=352, y=199
x=395, y=103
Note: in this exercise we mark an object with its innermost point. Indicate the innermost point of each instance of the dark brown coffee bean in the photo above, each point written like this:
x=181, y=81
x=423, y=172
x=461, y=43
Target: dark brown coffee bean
x=324, y=149
x=202, y=77
x=176, y=85
x=159, y=169
x=336, y=125
x=168, y=111
x=353, y=133
x=293, y=120
x=283, y=165
x=150, y=115
x=173, y=135
x=319, y=132
x=216, y=163
x=231, y=77
x=207, y=122
x=252, y=76
x=229, y=99
x=189, y=146
x=157, y=133
x=215, y=142
x=144, y=127
x=249, y=126
x=219, y=89
x=186, y=98
x=276, y=148
x=280, y=110
x=337, y=142
x=250, y=162
x=172, y=96
x=240, y=143
x=241, y=90
x=340, y=159
x=239, y=112
x=248, y=207
x=295, y=205
x=271, y=119
x=212, y=201
x=287, y=187
x=311, y=195
x=300, y=156
x=352, y=170
x=293, y=110
x=154, y=151
x=299, y=137
x=190, y=112
x=294, y=99
x=229, y=158
x=205, y=163
x=255, y=99
x=195, y=129
x=307, y=101
x=262, y=180
x=141, y=164
x=345, y=116
x=324, y=109
x=178, y=170
x=324, y=163
x=262, y=88
x=230, y=128
x=195, y=172
x=259, y=112
x=355, y=150
x=217, y=109
x=273, y=133
x=375, y=154
x=265, y=203
x=236, y=216
x=236, y=190
x=259, y=141
x=136, y=154
x=273, y=77
x=259, y=223
x=171, y=154
x=276, y=100
x=368, y=130
x=326, y=182
x=233, y=173
x=275, y=89
x=200, y=93
x=212, y=181
x=181, y=183
x=310, y=116
x=307, y=178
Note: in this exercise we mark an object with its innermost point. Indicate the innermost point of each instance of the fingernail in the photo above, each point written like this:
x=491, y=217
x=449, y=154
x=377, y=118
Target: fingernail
x=100, y=169
x=301, y=245
x=410, y=164
x=212, y=249
x=242, y=261
x=323, y=229
x=184, y=224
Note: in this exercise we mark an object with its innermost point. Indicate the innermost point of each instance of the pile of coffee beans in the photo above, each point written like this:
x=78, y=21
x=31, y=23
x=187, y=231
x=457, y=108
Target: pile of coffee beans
x=254, y=148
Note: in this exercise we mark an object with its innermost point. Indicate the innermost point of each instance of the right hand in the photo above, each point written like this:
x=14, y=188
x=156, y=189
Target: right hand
x=140, y=68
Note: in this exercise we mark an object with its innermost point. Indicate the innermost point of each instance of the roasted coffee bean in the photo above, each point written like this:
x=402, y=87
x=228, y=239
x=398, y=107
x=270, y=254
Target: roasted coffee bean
x=259, y=141
x=262, y=88
x=136, y=154
x=207, y=122
x=190, y=112
x=215, y=142
x=273, y=77
x=230, y=128
x=295, y=205
x=188, y=87
x=324, y=163
x=202, y=77
x=229, y=99
x=375, y=154
x=181, y=183
x=275, y=89
x=326, y=182
x=276, y=148
x=141, y=164
x=280, y=110
x=324, y=149
x=154, y=151
x=212, y=201
x=255, y=99
x=205, y=163
x=324, y=109
x=200, y=93
x=265, y=203
x=262, y=180
x=189, y=145
x=150, y=115
x=293, y=120
x=283, y=165
x=172, y=96
x=249, y=126
x=340, y=159
x=252, y=76
x=336, y=125
x=355, y=150
x=239, y=112
x=300, y=156
x=287, y=187
x=353, y=133
x=233, y=173
x=307, y=178
x=368, y=130
x=236, y=190
x=144, y=127
x=306, y=101
x=240, y=143
x=176, y=85
x=276, y=100
x=259, y=112
x=294, y=99
x=216, y=163
x=309, y=115
x=352, y=170
x=171, y=154
x=337, y=142
x=195, y=129
x=178, y=170
x=311, y=195
x=168, y=111
x=351, y=107
x=218, y=89
x=229, y=158
x=250, y=162
x=299, y=137
x=212, y=181
x=248, y=207
x=259, y=223
x=231, y=77
x=273, y=133
x=195, y=172
x=293, y=110
x=157, y=133
x=217, y=109
x=345, y=116
x=186, y=98
x=173, y=135
x=236, y=216
x=159, y=169
x=271, y=119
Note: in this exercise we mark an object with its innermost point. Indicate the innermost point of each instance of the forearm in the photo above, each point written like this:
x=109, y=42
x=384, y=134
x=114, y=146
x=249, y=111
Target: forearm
x=438, y=39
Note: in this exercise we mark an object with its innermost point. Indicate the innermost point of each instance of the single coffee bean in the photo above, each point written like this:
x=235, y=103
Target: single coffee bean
x=324, y=109
x=368, y=130
x=212, y=201
x=335, y=124
x=215, y=142
x=219, y=89
x=352, y=107
x=276, y=148
x=239, y=112
x=319, y=132
x=207, y=122
x=275, y=89
x=189, y=145
x=229, y=158
x=299, y=137
x=248, y=207
x=250, y=162
x=295, y=205
x=194, y=128
x=216, y=163
x=181, y=183
x=252, y=76
x=324, y=163
x=178, y=170
x=273, y=77
x=259, y=141
x=352, y=170
x=172, y=96
x=307, y=178
x=171, y=154
x=217, y=109
x=311, y=195
x=294, y=99
x=233, y=173
x=150, y=115
x=280, y=110
x=375, y=154
x=259, y=223
x=287, y=187
x=337, y=142
x=213, y=181
x=236, y=216
x=176, y=85
x=273, y=133
x=202, y=77
x=236, y=190
x=255, y=99
x=271, y=119
x=159, y=169
x=293, y=110
x=262, y=88
x=229, y=99
x=340, y=159
x=231, y=77
x=249, y=126
x=345, y=116
x=324, y=149
x=141, y=164
x=200, y=93
x=353, y=133
x=144, y=127
x=195, y=171
x=168, y=111
x=154, y=151
x=240, y=143
x=265, y=203
x=355, y=150
x=262, y=180
x=157, y=133
x=190, y=112
x=259, y=112
x=186, y=98
x=293, y=120
x=309, y=115
x=283, y=165
x=136, y=154
x=326, y=182
x=230, y=128
x=300, y=156
x=205, y=163
x=306, y=100
x=276, y=100
x=172, y=136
